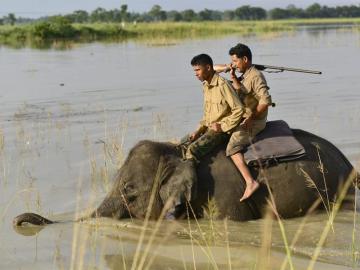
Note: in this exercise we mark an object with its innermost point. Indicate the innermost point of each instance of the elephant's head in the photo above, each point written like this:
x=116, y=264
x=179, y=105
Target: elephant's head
x=153, y=175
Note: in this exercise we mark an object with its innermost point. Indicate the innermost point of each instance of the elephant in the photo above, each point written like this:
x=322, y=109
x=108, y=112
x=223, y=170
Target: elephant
x=154, y=174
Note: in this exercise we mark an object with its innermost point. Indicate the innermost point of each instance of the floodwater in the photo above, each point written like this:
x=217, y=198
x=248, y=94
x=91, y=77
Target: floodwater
x=58, y=107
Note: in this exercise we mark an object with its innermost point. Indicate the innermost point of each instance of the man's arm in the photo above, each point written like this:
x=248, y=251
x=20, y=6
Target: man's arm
x=235, y=80
x=198, y=132
x=261, y=91
x=222, y=68
x=237, y=108
x=260, y=108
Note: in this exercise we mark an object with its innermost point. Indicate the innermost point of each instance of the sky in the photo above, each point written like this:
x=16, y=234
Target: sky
x=38, y=8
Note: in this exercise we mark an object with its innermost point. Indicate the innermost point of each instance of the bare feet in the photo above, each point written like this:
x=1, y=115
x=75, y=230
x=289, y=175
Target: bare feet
x=250, y=189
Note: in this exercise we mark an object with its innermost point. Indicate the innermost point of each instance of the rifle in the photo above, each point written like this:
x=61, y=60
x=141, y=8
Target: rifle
x=282, y=69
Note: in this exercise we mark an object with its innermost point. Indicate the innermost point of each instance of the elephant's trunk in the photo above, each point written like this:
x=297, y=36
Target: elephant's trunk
x=111, y=207
x=31, y=218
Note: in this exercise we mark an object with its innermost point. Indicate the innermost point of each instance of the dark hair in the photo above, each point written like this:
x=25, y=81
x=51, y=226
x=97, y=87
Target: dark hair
x=241, y=50
x=202, y=59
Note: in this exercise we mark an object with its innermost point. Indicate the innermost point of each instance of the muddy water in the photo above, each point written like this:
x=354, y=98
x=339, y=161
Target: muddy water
x=58, y=107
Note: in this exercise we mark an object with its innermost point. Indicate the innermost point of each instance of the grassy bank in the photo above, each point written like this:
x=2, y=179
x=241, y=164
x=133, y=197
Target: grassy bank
x=38, y=34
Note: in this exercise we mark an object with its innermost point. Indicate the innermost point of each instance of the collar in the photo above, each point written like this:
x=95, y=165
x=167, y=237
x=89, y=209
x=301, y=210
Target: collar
x=214, y=81
x=247, y=72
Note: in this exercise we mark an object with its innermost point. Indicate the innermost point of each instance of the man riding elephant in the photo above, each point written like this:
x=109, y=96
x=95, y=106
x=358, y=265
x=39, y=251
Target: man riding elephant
x=225, y=114
x=223, y=110
x=253, y=92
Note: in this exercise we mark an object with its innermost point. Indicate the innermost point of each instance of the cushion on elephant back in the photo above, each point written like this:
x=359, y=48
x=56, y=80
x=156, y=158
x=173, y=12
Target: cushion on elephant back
x=276, y=143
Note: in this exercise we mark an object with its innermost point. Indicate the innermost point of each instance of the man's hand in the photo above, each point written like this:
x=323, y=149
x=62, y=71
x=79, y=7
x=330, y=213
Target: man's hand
x=247, y=123
x=232, y=72
x=193, y=136
x=216, y=127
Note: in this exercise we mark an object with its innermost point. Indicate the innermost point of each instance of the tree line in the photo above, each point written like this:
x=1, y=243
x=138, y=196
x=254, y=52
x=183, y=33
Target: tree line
x=157, y=14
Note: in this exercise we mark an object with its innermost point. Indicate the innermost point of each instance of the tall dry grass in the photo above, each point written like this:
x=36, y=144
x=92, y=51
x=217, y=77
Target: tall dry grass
x=202, y=235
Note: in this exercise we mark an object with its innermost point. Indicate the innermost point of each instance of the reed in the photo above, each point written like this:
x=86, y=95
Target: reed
x=342, y=193
x=2, y=141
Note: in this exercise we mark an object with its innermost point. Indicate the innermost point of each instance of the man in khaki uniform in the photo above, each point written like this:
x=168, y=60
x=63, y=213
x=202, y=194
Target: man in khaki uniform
x=223, y=110
x=253, y=92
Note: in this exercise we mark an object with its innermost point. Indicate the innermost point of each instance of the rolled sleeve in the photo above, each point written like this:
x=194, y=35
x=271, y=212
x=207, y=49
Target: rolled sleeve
x=261, y=90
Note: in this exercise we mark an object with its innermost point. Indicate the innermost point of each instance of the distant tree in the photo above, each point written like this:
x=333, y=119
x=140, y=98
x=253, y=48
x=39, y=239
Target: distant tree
x=124, y=14
x=295, y=12
x=250, y=13
x=11, y=18
x=327, y=12
x=99, y=15
x=258, y=13
x=314, y=11
x=347, y=11
x=243, y=12
x=209, y=15
x=78, y=16
x=228, y=15
x=189, y=15
x=279, y=13
x=216, y=15
x=205, y=15
x=134, y=17
x=145, y=17
x=115, y=15
x=173, y=16
x=157, y=14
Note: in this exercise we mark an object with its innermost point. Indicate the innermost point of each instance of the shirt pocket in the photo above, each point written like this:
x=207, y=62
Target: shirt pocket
x=221, y=106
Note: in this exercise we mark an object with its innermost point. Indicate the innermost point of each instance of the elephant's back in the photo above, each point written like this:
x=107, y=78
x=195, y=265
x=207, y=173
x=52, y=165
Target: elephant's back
x=292, y=183
x=324, y=153
x=297, y=185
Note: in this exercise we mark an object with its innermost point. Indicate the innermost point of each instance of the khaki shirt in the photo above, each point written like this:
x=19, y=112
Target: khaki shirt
x=253, y=91
x=221, y=104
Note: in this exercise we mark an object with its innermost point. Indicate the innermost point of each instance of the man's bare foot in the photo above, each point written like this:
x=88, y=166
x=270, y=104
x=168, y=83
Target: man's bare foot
x=250, y=189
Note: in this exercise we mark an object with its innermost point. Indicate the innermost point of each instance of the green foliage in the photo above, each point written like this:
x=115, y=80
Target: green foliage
x=11, y=18
x=103, y=30
x=43, y=34
x=250, y=13
x=78, y=16
x=61, y=27
x=315, y=11
x=56, y=27
x=189, y=15
x=124, y=15
x=157, y=13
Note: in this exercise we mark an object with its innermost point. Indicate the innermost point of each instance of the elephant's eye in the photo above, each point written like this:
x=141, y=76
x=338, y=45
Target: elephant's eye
x=130, y=191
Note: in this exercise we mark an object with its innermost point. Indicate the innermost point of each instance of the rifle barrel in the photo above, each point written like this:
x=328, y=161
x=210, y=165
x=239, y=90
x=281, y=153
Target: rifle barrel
x=263, y=67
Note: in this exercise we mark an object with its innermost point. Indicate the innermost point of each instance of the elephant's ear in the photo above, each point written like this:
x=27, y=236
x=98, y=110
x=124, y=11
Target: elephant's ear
x=179, y=183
